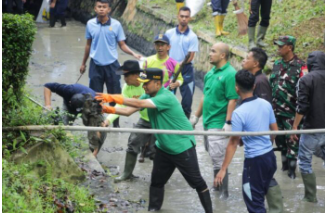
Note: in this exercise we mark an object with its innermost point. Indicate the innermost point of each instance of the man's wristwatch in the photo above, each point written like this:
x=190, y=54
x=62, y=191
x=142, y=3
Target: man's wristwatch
x=228, y=122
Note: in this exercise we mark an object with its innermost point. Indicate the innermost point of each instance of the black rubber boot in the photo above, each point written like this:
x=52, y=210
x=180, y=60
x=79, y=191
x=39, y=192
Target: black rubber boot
x=52, y=20
x=284, y=162
x=156, y=198
x=62, y=19
x=215, y=172
x=223, y=192
x=292, y=164
x=116, y=123
x=206, y=201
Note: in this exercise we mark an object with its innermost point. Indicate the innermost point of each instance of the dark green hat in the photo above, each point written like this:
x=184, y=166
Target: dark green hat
x=283, y=40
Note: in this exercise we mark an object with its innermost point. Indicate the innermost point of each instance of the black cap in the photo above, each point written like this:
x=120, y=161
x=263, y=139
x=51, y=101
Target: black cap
x=150, y=74
x=77, y=102
x=129, y=66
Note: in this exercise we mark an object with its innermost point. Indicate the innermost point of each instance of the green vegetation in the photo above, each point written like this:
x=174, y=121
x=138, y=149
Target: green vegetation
x=24, y=192
x=18, y=33
x=22, y=189
x=303, y=19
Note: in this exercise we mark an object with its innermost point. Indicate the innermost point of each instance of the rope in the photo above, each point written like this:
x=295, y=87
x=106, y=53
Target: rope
x=159, y=131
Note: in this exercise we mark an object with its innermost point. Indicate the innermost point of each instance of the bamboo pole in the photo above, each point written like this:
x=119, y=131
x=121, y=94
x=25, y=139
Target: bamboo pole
x=160, y=131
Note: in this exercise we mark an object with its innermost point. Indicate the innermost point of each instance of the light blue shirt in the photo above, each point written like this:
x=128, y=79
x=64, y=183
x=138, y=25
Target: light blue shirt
x=105, y=38
x=254, y=115
x=182, y=43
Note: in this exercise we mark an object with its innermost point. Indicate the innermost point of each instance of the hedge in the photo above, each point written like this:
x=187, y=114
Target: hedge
x=18, y=33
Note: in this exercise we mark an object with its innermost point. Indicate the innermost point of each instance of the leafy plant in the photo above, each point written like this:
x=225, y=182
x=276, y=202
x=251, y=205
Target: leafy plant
x=18, y=33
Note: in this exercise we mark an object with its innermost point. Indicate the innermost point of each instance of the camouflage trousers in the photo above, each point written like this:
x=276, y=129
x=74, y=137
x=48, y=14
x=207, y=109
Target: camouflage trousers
x=287, y=147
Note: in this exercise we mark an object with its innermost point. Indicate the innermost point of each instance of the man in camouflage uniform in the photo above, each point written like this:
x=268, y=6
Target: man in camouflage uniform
x=284, y=77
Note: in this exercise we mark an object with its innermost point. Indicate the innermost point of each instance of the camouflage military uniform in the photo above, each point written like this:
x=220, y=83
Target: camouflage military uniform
x=283, y=80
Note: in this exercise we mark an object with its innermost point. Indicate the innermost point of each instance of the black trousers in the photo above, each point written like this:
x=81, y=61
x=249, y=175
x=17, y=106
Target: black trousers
x=186, y=162
x=257, y=7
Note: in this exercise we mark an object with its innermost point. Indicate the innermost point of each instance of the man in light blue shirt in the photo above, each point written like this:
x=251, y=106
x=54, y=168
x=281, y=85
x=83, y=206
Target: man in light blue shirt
x=253, y=115
x=183, y=40
x=103, y=33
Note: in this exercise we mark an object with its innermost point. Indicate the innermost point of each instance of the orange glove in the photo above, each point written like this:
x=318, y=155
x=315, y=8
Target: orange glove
x=108, y=98
x=108, y=109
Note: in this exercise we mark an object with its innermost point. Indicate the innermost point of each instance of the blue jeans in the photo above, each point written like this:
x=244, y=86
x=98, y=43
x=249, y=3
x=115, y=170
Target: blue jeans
x=220, y=6
x=310, y=144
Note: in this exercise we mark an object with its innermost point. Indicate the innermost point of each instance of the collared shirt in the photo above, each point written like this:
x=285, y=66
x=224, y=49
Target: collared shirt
x=169, y=114
x=254, y=115
x=262, y=87
x=182, y=43
x=219, y=88
x=105, y=38
x=168, y=65
x=283, y=80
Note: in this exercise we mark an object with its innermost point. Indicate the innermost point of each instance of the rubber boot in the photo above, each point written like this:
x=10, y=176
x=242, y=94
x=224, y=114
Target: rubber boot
x=215, y=172
x=156, y=198
x=223, y=191
x=261, y=32
x=52, y=20
x=62, y=19
x=251, y=37
x=116, y=123
x=274, y=199
x=130, y=161
x=179, y=5
x=217, y=25
x=310, y=187
x=206, y=201
x=222, y=18
x=285, y=164
x=292, y=164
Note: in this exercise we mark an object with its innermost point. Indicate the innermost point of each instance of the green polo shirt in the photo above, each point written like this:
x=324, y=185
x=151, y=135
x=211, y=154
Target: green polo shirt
x=169, y=114
x=219, y=88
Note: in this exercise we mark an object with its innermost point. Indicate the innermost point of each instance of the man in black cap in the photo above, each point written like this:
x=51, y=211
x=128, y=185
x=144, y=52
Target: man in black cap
x=132, y=89
x=173, y=151
x=73, y=98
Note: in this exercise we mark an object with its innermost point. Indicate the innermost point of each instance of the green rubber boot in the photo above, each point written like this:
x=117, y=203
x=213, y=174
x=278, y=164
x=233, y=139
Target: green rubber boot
x=130, y=161
x=261, y=32
x=251, y=37
x=274, y=199
x=310, y=187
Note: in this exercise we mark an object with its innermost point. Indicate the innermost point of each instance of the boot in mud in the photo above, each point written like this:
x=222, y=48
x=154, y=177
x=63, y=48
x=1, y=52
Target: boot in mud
x=156, y=198
x=130, y=161
x=206, y=201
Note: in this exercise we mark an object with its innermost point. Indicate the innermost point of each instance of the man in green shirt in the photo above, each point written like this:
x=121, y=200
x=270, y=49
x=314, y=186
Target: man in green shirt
x=173, y=151
x=132, y=89
x=217, y=105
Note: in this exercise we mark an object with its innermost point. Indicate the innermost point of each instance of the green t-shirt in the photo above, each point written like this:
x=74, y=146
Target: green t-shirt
x=169, y=114
x=129, y=91
x=219, y=88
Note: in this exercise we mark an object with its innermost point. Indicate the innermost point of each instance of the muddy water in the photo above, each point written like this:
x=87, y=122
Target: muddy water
x=57, y=54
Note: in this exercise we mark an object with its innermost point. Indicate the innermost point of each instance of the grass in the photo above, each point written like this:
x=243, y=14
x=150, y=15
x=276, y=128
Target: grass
x=23, y=190
x=304, y=19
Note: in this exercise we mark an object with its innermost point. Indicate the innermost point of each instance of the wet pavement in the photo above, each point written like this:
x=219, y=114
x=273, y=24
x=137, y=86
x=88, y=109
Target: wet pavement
x=56, y=57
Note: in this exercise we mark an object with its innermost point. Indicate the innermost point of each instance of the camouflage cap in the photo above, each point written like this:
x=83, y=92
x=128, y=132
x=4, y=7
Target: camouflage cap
x=282, y=40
